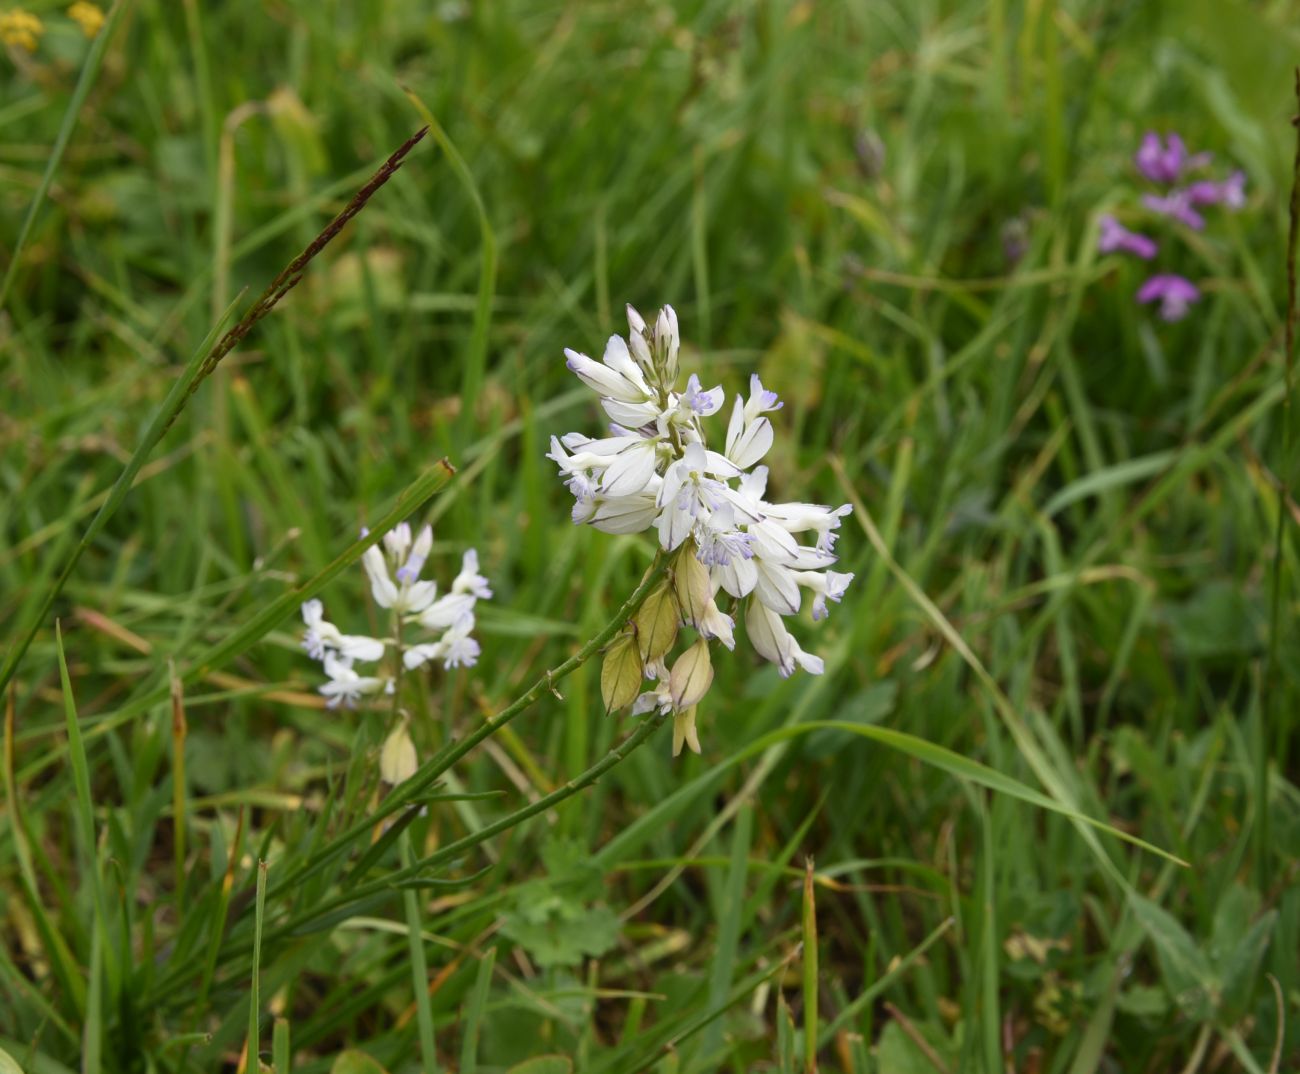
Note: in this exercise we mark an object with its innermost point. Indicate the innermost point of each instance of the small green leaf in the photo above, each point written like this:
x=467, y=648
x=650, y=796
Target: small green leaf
x=1239, y=970
x=543, y=1064
x=1184, y=967
x=353, y=1061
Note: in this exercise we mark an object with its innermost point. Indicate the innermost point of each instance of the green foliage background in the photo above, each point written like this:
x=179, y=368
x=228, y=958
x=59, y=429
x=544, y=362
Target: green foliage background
x=824, y=192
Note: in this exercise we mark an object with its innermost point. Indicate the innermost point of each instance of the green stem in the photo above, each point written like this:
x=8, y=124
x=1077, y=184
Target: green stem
x=419, y=968
x=453, y=850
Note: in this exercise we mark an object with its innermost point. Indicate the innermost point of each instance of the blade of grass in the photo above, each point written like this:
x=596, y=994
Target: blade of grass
x=63, y=965
x=474, y=1013
x=85, y=817
x=729, y=919
x=178, y=790
x=810, y=1003
x=254, y=994
x=281, y=1060
x=419, y=968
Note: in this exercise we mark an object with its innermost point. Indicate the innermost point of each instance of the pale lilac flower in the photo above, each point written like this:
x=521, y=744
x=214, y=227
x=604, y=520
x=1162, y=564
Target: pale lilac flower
x=1176, y=204
x=411, y=601
x=469, y=580
x=1231, y=193
x=1115, y=236
x=408, y=595
x=1174, y=293
x=346, y=687
x=1165, y=162
x=701, y=402
x=323, y=638
x=455, y=649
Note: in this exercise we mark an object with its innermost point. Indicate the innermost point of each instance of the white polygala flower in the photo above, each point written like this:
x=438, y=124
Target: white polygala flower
x=346, y=687
x=393, y=567
x=407, y=595
x=323, y=637
x=656, y=471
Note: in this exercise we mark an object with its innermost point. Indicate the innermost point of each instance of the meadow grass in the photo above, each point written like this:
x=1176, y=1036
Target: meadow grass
x=1069, y=622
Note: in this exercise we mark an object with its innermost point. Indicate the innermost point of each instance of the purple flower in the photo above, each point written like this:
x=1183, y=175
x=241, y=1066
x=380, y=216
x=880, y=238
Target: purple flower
x=1115, y=236
x=1176, y=204
x=1174, y=293
x=1230, y=193
x=1165, y=163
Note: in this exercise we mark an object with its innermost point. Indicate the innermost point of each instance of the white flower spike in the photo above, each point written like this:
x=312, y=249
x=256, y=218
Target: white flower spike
x=393, y=567
x=656, y=471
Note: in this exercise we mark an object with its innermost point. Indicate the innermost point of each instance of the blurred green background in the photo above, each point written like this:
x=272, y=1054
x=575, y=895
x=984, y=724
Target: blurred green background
x=889, y=209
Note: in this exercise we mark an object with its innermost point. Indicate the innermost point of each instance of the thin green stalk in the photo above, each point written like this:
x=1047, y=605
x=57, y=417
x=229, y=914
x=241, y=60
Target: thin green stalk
x=810, y=1002
x=419, y=967
x=85, y=812
x=475, y=1011
x=178, y=791
x=455, y=849
x=254, y=993
x=1273, y=705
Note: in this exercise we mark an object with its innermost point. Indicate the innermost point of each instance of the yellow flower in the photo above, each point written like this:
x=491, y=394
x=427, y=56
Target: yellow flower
x=88, y=16
x=20, y=28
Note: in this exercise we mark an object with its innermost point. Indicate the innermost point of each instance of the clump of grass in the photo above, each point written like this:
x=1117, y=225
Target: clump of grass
x=1073, y=574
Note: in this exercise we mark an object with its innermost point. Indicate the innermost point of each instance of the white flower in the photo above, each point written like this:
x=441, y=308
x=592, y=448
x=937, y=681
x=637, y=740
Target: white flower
x=825, y=585
x=748, y=439
x=448, y=611
x=455, y=649
x=393, y=568
x=618, y=377
x=407, y=595
x=469, y=580
x=346, y=687
x=767, y=633
x=323, y=638
x=691, y=492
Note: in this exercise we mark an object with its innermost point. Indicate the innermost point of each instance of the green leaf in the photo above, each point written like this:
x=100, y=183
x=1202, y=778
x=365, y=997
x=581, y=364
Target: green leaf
x=1184, y=967
x=8, y=1064
x=353, y=1061
x=1239, y=970
x=543, y=1064
x=897, y=1053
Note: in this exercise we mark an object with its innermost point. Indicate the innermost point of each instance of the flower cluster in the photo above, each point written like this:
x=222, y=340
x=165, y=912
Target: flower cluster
x=20, y=29
x=1167, y=163
x=449, y=619
x=709, y=512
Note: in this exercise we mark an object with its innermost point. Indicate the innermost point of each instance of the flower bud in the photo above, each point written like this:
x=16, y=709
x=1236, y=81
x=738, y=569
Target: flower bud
x=691, y=676
x=693, y=587
x=657, y=622
x=684, y=732
x=397, y=760
x=621, y=673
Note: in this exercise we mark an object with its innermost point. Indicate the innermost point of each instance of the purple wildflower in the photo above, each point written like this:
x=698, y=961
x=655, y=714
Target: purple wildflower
x=1174, y=293
x=1176, y=204
x=1230, y=193
x=1165, y=162
x=1115, y=236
